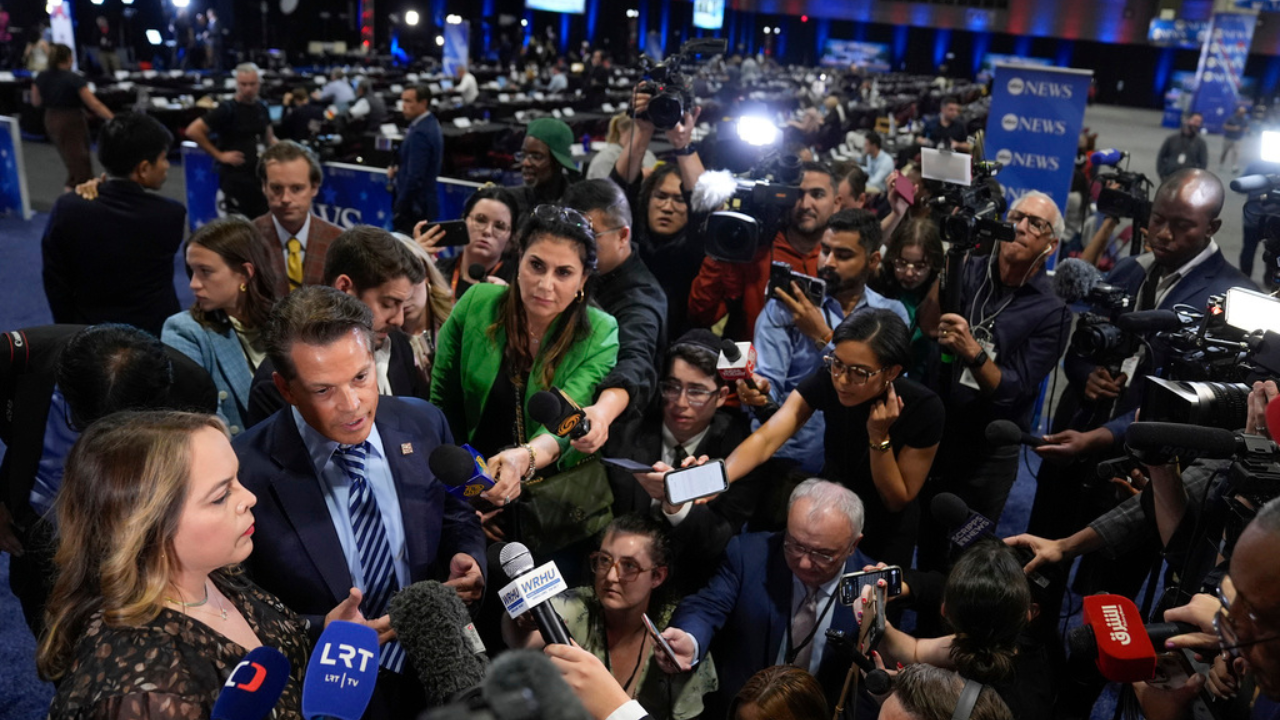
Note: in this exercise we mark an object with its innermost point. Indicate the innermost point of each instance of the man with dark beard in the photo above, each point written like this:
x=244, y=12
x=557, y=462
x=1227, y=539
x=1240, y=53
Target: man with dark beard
x=792, y=334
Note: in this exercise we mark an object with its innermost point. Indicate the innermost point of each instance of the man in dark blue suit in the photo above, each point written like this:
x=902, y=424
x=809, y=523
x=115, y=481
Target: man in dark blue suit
x=347, y=505
x=774, y=597
x=420, y=156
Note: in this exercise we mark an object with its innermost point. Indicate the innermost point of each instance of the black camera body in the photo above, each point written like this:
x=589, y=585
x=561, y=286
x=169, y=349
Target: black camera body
x=1097, y=337
x=970, y=216
x=669, y=88
x=754, y=213
x=1129, y=200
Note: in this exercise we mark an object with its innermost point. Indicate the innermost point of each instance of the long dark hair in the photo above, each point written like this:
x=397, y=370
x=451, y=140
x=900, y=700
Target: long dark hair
x=987, y=600
x=237, y=242
x=572, y=325
x=921, y=232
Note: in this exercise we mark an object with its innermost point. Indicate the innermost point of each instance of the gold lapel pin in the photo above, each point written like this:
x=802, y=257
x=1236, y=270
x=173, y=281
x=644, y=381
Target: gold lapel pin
x=406, y=448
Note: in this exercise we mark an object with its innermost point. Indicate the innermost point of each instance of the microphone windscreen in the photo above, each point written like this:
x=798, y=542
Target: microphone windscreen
x=475, y=271
x=1178, y=440
x=451, y=465
x=341, y=673
x=1110, y=156
x=515, y=560
x=254, y=687
x=949, y=510
x=1081, y=643
x=1144, y=321
x=545, y=407
x=730, y=350
x=430, y=621
x=1251, y=183
x=1074, y=278
x=1273, y=415
x=531, y=671
x=713, y=190
x=1004, y=432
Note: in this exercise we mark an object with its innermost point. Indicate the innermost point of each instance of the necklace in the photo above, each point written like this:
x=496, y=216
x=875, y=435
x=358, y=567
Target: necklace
x=192, y=604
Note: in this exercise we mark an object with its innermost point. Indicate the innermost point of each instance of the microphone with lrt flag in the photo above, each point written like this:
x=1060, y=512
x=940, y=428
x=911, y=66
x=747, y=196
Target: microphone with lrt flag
x=530, y=589
x=1115, y=638
x=254, y=686
x=463, y=472
x=559, y=413
x=436, y=631
x=968, y=527
x=341, y=673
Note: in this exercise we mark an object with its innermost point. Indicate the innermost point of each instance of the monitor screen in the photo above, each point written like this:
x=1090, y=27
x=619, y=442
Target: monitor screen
x=277, y=112
x=708, y=14
x=560, y=6
x=862, y=55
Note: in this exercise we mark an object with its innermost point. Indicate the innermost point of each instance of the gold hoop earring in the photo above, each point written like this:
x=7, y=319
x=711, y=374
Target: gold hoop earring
x=581, y=295
x=243, y=288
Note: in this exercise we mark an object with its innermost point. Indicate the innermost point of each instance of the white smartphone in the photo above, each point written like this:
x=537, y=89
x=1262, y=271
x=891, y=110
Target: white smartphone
x=697, y=481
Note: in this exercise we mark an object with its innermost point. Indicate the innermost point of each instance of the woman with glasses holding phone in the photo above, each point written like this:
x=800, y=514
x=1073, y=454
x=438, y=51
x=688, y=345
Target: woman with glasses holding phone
x=491, y=215
x=502, y=345
x=631, y=574
x=882, y=428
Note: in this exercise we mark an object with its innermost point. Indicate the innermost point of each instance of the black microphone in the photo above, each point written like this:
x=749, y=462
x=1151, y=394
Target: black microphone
x=436, y=632
x=1145, y=321
x=1074, y=279
x=1155, y=443
x=463, y=472
x=559, y=413
x=1007, y=432
x=517, y=563
x=476, y=272
x=968, y=527
x=529, y=672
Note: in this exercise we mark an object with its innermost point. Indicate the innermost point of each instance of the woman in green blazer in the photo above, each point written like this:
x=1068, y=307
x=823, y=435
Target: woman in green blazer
x=501, y=345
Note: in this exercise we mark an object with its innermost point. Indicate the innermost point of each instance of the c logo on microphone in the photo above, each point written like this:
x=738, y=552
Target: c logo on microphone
x=259, y=674
x=568, y=424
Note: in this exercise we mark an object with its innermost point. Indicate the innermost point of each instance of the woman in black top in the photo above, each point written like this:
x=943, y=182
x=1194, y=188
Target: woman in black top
x=882, y=429
x=64, y=95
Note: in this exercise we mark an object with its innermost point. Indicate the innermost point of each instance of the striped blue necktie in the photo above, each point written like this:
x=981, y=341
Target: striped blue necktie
x=371, y=540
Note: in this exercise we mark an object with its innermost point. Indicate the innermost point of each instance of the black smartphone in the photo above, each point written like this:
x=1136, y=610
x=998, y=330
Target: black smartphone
x=455, y=233
x=851, y=585
x=627, y=464
x=781, y=276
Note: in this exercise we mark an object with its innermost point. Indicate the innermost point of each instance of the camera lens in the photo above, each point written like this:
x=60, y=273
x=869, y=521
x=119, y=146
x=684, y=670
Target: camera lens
x=665, y=110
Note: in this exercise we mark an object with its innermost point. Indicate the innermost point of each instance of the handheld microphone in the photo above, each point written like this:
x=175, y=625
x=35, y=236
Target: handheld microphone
x=737, y=361
x=462, y=470
x=559, y=413
x=1007, y=432
x=342, y=672
x=1074, y=279
x=529, y=672
x=968, y=527
x=530, y=589
x=1114, y=636
x=476, y=272
x=254, y=686
x=436, y=631
x=1147, y=321
x=1110, y=156
x=1255, y=183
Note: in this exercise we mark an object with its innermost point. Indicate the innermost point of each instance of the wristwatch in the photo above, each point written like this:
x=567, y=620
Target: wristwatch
x=978, y=360
x=881, y=446
x=684, y=151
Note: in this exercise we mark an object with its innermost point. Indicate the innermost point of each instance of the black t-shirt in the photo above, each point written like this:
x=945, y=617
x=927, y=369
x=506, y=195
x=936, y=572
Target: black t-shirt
x=460, y=282
x=240, y=126
x=887, y=535
x=939, y=134
x=60, y=89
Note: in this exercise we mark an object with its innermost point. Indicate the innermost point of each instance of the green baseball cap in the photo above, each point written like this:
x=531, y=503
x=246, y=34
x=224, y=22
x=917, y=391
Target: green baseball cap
x=557, y=136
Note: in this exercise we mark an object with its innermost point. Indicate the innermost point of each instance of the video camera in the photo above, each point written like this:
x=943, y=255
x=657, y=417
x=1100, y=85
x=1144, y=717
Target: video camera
x=670, y=89
x=1262, y=213
x=970, y=216
x=1236, y=339
x=746, y=213
x=1131, y=195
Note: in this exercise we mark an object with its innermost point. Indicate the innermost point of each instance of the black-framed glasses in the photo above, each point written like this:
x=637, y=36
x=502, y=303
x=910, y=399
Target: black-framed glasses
x=1224, y=624
x=676, y=199
x=904, y=265
x=1038, y=225
x=854, y=374
x=696, y=396
x=556, y=213
x=797, y=551
x=628, y=569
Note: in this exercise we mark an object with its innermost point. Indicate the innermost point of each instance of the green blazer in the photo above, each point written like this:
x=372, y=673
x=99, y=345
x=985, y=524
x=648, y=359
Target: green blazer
x=467, y=363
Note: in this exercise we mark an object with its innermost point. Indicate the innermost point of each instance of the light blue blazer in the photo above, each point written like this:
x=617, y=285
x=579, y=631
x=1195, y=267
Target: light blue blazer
x=221, y=355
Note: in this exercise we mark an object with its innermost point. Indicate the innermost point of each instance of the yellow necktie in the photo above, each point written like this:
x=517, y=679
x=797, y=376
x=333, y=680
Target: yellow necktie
x=294, y=263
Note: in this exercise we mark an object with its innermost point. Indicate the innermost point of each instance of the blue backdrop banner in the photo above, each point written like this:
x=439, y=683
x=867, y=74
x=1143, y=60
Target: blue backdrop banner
x=1034, y=128
x=351, y=194
x=14, y=198
x=1221, y=69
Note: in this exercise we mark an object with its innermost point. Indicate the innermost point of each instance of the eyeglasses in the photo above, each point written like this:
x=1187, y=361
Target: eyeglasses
x=1038, y=225
x=536, y=158
x=676, y=199
x=851, y=373
x=904, y=265
x=480, y=222
x=599, y=233
x=696, y=396
x=555, y=213
x=1224, y=624
x=628, y=569
x=817, y=557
